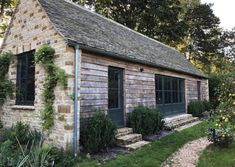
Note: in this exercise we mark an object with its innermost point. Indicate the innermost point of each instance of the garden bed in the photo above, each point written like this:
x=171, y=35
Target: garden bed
x=155, y=153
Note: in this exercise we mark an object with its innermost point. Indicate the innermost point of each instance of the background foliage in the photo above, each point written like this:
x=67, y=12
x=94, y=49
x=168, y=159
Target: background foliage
x=6, y=86
x=224, y=114
x=6, y=11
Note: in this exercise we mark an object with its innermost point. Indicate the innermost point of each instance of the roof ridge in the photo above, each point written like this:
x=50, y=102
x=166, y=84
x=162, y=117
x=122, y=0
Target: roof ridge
x=119, y=24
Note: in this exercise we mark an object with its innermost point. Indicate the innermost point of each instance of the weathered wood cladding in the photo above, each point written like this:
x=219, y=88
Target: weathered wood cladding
x=139, y=87
x=94, y=87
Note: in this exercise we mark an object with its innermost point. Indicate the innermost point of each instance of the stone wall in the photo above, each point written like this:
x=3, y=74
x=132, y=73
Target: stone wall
x=139, y=87
x=30, y=28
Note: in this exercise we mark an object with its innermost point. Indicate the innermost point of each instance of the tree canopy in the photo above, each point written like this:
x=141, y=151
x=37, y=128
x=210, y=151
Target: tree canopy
x=188, y=25
x=156, y=19
x=6, y=11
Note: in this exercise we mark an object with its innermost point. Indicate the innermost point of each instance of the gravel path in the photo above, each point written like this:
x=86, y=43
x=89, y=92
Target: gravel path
x=188, y=155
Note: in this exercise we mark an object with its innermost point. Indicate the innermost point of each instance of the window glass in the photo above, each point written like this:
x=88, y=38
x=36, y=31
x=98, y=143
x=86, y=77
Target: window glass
x=114, y=88
x=174, y=84
x=160, y=83
x=113, y=99
x=167, y=83
x=167, y=98
x=25, y=86
x=199, y=90
x=159, y=97
x=169, y=90
x=175, y=96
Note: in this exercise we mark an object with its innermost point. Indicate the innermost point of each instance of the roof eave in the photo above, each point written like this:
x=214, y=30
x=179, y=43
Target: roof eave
x=123, y=57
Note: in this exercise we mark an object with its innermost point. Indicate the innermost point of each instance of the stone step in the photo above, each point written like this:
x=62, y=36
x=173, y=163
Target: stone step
x=123, y=132
x=128, y=139
x=177, y=118
x=187, y=126
x=136, y=145
x=174, y=124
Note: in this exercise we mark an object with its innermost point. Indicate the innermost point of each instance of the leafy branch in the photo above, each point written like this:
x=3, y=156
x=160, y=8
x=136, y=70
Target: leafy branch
x=46, y=55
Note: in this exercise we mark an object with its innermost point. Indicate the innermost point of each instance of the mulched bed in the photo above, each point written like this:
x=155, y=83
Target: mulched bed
x=158, y=135
x=108, y=154
x=111, y=153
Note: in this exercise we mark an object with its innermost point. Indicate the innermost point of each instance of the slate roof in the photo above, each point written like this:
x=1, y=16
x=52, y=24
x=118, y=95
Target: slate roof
x=92, y=30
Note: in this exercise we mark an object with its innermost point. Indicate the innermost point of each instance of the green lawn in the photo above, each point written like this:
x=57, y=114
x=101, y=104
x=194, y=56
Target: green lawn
x=154, y=154
x=218, y=157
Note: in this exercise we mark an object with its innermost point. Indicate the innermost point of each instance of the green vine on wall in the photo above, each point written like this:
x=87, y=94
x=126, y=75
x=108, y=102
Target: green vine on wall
x=46, y=55
x=6, y=85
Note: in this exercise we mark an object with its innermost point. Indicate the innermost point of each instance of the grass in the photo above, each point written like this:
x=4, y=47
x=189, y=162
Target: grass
x=157, y=152
x=217, y=157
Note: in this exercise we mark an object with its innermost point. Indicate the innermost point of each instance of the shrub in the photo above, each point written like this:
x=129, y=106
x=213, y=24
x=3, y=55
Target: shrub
x=97, y=133
x=145, y=121
x=221, y=138
x=196, y=108
x=20, y=146
x=207, y=105
x=1, y=125
x=62, y=158
x=215, y=81
x=223, y=117
x=22, y=132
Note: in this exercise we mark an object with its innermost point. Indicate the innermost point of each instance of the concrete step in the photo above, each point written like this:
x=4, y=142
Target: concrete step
x=136, y=145
x=123, y=132
x=128, y=139
x=177, y=123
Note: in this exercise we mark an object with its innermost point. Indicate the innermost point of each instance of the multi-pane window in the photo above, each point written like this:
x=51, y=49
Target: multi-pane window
x=25, y=86
x=169, y=89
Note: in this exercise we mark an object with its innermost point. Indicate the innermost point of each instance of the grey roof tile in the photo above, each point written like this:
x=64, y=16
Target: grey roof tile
x=76, y=23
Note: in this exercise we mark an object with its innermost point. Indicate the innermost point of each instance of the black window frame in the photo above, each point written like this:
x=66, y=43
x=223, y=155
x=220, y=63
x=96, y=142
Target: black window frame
x=164, y=87
x=118, y=89
x=25, y=83
x=199, y=90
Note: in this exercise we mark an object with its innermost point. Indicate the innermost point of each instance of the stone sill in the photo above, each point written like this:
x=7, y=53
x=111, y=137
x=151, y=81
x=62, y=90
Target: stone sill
x=19, y=107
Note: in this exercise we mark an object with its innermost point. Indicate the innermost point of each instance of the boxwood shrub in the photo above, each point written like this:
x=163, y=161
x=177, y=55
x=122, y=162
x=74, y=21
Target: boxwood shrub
x=207, y=105
x=145, y=120
x=97, y=133
x=1, y=125
x=196, y=108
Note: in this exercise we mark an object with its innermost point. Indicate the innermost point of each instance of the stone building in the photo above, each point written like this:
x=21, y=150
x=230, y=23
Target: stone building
x=117, y=68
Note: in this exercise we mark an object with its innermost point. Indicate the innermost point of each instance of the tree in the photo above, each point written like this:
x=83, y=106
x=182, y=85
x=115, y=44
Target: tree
x=204, y=41
x=6, y=11
x=157, y=19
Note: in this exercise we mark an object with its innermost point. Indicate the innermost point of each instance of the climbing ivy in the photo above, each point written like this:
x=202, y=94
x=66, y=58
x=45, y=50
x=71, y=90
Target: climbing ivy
x=6, y=86
x=46, y=55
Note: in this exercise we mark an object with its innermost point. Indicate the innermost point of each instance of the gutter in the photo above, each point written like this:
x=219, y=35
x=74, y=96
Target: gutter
x=122, y=57
x=76, y=134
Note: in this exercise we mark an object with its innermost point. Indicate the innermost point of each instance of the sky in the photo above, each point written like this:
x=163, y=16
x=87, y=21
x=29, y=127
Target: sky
x=225, y=10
